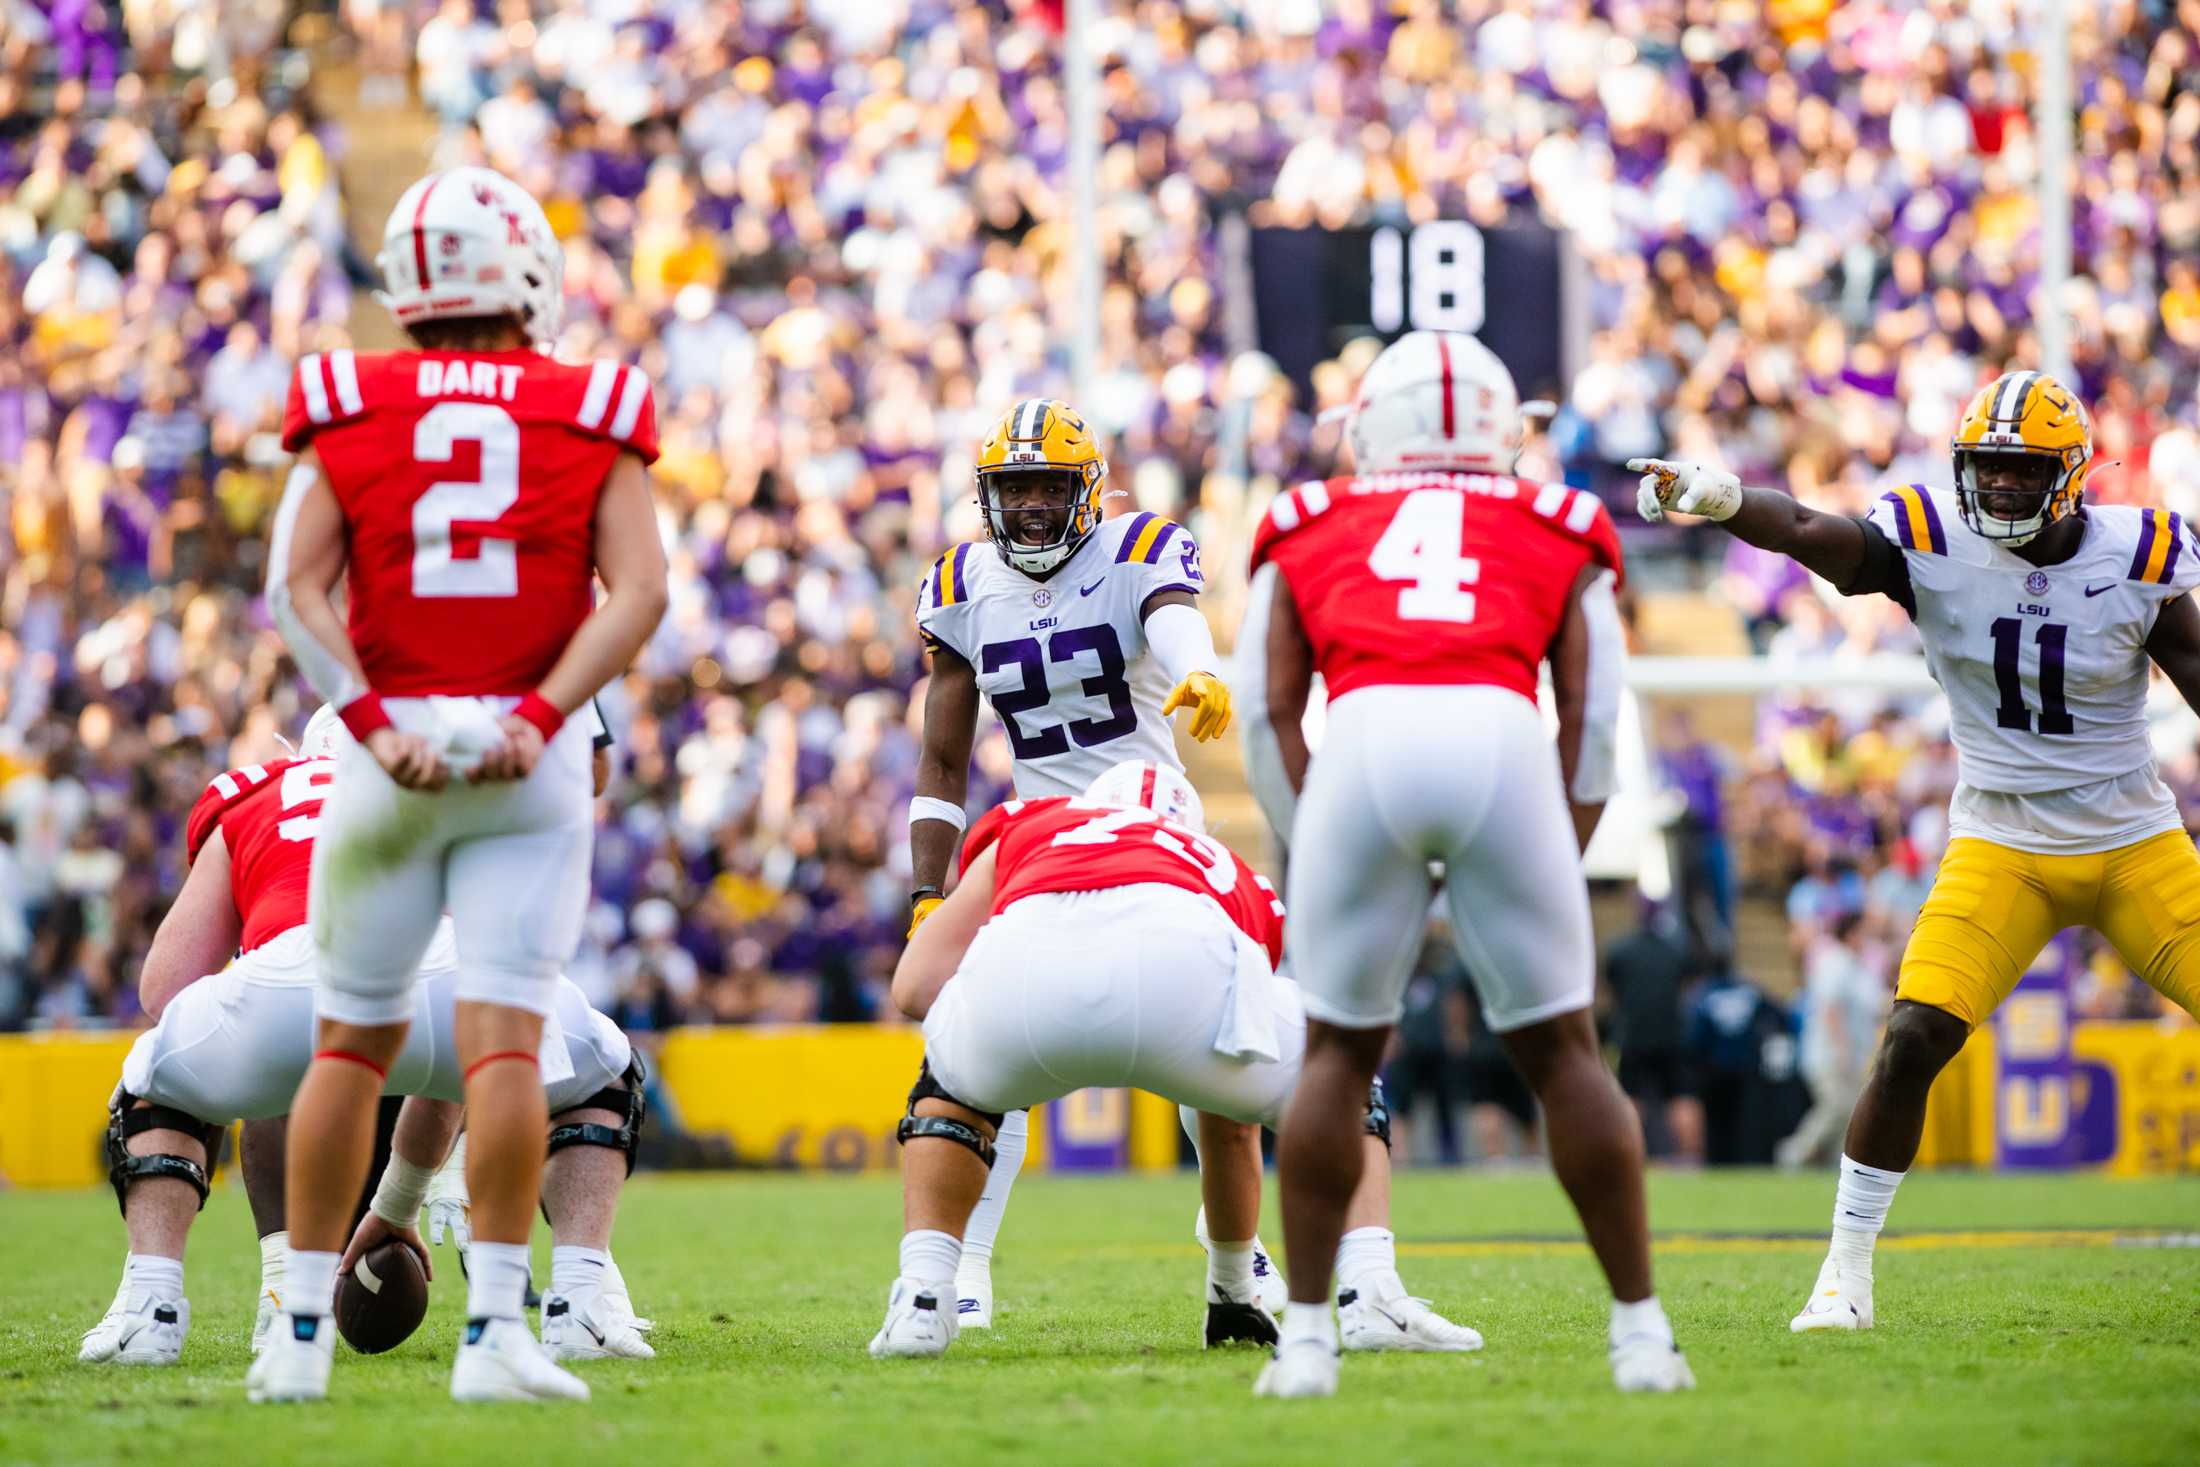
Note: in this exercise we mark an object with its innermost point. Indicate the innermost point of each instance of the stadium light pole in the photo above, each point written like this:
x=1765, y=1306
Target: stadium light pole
x=1081, y=77
x=2051, y=124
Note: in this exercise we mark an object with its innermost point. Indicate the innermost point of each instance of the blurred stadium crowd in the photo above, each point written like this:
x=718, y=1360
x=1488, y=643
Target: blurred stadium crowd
x=835, y=237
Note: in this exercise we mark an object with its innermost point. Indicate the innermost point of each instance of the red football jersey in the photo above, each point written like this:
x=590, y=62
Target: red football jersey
x=1459, y=579
x=468, y=482
x=1063, y=843
x=267, y=814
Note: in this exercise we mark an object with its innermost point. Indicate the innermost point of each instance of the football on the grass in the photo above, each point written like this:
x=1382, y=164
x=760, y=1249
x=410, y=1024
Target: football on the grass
x=382, y=1300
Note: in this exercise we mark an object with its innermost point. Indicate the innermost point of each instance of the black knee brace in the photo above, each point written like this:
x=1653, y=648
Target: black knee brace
x=1378, y=1113
x=943, y=1128
x=626, y=1137
x=126, y=1118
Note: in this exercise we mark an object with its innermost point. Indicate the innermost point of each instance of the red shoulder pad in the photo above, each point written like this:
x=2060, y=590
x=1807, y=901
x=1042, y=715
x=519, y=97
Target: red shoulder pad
x=994, y=823
x=223, y=794
x=616, y=403
x=1582, y=515
x=1286, y=513
x=324, y=391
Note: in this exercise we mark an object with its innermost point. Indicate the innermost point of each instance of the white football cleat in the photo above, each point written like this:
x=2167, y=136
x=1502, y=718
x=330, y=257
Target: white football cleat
x=974, y=1296
x=290, y=1368
x=505, y=1362
x=264, y=1316
x=138, y=1329
x=1835, y=1303
x=1299, y=1370
x=1650, y=1363
x=578, y=1327
x=620, y=1309
x=1400, y=1322
x=917, y=1323
x=1275, y=1294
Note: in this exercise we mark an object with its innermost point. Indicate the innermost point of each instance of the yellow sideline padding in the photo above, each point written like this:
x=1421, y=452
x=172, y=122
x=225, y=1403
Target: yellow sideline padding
x=829, y=1095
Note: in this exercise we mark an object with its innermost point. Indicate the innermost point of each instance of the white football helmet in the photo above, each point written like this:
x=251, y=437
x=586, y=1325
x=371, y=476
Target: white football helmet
x=1435, y=400
x=470, y=242
x=1146, y=785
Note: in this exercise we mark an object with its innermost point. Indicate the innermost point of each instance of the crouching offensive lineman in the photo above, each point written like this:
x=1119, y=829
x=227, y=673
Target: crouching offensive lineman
x=234, y=1044
x=1108, y=940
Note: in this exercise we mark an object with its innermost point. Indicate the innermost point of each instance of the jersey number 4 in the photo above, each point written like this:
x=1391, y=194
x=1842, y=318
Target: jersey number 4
x=1422, y=545
x=438, y=569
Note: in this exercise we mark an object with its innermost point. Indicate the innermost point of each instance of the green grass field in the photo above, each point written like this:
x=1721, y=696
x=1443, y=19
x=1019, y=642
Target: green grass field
x=2002, y=1348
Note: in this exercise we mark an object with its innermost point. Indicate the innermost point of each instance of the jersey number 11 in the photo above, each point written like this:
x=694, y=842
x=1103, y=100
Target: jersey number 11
x=2008, y=641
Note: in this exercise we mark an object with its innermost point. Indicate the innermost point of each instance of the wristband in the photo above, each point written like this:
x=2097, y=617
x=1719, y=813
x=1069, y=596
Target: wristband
x=925, y=807
x=542, y=713
x=926, y=893
x=398, y=1197
x=364, y=715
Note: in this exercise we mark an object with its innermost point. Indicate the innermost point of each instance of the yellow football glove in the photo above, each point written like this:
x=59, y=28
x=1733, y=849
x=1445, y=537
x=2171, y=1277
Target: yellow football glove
x=920, y=908
x=1209, y=699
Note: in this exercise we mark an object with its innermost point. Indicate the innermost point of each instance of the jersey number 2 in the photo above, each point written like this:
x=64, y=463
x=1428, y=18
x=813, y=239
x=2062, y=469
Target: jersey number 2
x=493, y=568
x=1421, y=545
x=2008, y=642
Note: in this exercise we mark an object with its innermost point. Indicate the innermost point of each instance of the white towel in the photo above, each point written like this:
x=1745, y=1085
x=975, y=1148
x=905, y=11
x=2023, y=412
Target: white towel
x=1248, y=1030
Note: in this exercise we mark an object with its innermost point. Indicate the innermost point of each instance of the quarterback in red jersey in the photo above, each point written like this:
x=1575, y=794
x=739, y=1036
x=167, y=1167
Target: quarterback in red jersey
x=233, y=1038
x=470, y=491
x=1107, y=939
x=1428, y=591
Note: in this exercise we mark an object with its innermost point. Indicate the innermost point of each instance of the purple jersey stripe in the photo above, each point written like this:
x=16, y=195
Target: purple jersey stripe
x=1901, y=519
x=2146, y=548
x=1933, y=531
x=955, y=568
x=2176, y=544
x=1131, y=532
x=1168, y=528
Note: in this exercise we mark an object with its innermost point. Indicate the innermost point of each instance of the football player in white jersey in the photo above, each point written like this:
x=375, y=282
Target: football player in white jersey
x=1084, y=634
x=2039, y=616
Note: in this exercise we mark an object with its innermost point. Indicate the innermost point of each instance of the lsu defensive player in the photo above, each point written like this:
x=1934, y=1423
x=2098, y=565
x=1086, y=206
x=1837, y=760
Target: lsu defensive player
x=1085, y=636
x=2039, y=615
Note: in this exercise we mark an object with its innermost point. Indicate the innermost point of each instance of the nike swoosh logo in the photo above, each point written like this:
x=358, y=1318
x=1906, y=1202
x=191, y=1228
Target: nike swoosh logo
x=1096, y=585
x=2092, y=591
x=593, y=1332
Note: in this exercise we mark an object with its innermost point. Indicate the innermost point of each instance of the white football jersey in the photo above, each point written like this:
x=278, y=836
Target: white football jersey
x=1063, y=660
x=2045, y=668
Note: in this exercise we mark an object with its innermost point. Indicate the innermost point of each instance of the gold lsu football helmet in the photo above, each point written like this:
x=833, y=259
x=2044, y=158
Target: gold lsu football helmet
x=1039, y=480
x=2031, y=417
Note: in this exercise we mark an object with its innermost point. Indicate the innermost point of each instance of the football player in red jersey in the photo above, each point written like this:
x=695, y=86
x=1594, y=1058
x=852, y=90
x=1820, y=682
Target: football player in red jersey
x=469, y=490
x=234, y=1037
x=1107, y=939
x=1428, y=591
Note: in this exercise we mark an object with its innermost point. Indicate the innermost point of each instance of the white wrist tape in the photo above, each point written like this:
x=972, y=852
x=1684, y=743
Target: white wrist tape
x=398, y=1196
x=924, y=807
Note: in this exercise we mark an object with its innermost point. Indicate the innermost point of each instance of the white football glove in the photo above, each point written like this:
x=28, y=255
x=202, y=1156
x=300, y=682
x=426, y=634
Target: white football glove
x=447, y=1203
x=1690, y=488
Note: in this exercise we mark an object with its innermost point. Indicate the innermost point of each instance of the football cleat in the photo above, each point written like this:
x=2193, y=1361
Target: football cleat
x=1303, y=1368
x=1247, y=1321
x=501, y=1360
x=620, y=1308
x=577, y=1327
x=294, y=1366
x=1274, y=1293
x=138, y=1329
x=916, y=1325
x=264, y=1316
x=1402, y=1322
x=974, y=1296
x=1835, y=1303
x=1650, y=1363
